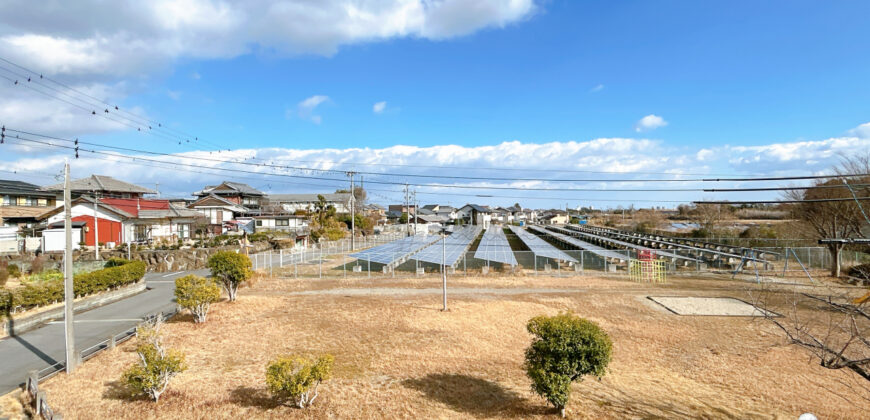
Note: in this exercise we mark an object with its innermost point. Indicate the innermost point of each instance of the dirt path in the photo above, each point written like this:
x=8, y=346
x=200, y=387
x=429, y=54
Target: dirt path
x=404, y=291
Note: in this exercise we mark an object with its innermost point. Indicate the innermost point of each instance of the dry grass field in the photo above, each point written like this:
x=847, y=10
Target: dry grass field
x=398, y=356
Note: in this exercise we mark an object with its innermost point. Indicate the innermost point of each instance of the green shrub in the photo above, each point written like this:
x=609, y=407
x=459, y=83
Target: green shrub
x=156, y=366
x=295, y=378
x=14, y=270
x=115, y=262
x=45, y=275
x=258, y=237
x=564, y=349
x=196, y=294
x=231, y=270
x=50, y=289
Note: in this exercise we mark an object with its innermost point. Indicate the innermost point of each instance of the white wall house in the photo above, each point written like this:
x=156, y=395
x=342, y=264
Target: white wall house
x=292, y=203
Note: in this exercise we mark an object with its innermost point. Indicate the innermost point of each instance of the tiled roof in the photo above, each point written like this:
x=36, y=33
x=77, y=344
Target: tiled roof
x=308, y=198
x=8, y=186
x=101, y=183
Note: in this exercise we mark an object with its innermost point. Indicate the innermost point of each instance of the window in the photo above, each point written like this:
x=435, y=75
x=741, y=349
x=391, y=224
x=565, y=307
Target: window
x=259, y=223
x=184, y=231
x=250, y=201
x=42, y=202
x=282, y=222
x=22, y=201
x=5, y=200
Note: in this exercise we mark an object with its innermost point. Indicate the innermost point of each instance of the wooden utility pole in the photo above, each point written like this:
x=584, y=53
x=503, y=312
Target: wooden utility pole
x=68, y=292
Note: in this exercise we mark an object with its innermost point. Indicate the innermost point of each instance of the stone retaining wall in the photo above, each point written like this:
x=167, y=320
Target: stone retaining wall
x=156, y=260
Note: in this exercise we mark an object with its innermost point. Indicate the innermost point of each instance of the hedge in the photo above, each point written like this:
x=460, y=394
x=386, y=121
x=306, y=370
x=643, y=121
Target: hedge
x=33, y=295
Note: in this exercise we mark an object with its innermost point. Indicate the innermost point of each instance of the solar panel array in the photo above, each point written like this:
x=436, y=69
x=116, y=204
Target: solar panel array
x=633, y=246
x=452, y=248
x=570, y=240
x=494, y=247
x=540, y=247
x=395, y=251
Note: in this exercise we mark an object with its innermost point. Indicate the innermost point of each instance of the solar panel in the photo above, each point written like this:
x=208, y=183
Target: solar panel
x=595, y=249
x=633, y=246
x=452, y=247
x=395, y=251
x=494, y=247
x=540, y=247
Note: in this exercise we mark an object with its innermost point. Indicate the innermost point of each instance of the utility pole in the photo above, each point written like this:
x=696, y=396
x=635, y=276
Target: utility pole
x=68, y=293
x=96, y=230
x=416, y=205
x=408, y=209
x=444, y=271
x=352, y=214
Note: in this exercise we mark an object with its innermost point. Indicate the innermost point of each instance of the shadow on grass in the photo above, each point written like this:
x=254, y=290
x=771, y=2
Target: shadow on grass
x=118, y=390
x=475, y=396
x=246, y=396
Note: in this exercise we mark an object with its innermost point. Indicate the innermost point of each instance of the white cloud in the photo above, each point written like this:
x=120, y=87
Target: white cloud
x=195, y=76
x=629, y=158
x=379, y=107
x=306, y=108
x=862, y=131
x=85, y=37
x=649, y=123
x=597, y=88
x=174, y=94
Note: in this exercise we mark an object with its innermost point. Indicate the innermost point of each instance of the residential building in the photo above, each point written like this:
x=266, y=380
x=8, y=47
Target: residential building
x=220, y=213
x=21, y=203
x=475, y=215
x=101, y=186
x=292, y=203
x=554, y=218
x=234, y=192
x=401, y=208
x=120, y=220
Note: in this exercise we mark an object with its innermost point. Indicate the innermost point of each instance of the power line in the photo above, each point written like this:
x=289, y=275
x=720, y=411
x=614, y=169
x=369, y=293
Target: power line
x=94, y=101
x=820, y=200
x=490, y=187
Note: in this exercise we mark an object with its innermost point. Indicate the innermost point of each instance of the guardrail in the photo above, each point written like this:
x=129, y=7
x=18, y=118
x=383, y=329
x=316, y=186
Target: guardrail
x=31, y=385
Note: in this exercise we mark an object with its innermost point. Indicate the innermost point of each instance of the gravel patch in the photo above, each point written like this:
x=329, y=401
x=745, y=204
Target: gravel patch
x=710, y=306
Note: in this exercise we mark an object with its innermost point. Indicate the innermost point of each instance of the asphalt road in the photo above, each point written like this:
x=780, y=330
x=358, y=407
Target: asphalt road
x=43, y=347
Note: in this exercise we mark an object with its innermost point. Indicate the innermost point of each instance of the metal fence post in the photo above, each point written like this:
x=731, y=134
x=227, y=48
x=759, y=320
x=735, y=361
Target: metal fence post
x=320, y=263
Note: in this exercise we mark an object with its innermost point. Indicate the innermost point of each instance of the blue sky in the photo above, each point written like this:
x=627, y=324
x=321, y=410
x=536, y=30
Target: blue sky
x=730, y=87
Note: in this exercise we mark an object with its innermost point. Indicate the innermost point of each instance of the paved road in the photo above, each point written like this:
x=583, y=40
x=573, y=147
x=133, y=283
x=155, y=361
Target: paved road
x=40, y=348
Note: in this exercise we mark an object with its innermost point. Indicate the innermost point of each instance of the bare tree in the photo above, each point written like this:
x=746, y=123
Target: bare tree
x=710, y=216
x=834, y=327
x=835, y=219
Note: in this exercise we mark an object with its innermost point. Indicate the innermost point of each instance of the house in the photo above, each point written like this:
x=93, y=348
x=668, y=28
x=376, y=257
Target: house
x=100, y=186
x=122, y=220
x=554, y=218
x=292, y=203
x=235, y=192
x=296, y=226
x=402, y=208
x=475, y=215
x=219, y=213
x=21, y=203
x=108, y=220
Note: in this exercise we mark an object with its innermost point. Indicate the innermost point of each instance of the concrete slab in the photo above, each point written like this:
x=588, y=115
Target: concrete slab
x=708, y=306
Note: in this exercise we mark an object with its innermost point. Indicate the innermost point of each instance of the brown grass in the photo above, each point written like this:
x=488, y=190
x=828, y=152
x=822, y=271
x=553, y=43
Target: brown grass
x=399, y=356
